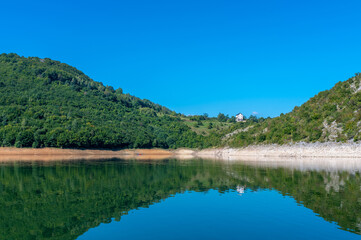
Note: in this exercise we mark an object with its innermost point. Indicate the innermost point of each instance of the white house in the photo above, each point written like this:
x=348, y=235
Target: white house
x=240, y=118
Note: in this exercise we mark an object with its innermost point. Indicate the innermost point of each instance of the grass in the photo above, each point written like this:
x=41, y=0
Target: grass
x=201, y=127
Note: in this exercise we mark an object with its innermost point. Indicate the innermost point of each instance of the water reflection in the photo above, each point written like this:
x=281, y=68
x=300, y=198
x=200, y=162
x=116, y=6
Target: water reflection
x=62, y=200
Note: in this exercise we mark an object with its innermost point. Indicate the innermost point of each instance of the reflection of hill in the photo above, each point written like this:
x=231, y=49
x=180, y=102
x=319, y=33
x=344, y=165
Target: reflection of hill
x=63, y=200
x=335, y=196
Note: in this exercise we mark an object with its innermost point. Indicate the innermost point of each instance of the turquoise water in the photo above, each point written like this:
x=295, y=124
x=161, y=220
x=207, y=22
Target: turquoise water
x=172, y=199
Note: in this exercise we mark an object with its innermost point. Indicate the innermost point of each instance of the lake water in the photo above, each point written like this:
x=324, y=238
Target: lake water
x=178, y=199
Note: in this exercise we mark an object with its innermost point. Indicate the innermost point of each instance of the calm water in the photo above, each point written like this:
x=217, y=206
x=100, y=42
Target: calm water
x=173, y=199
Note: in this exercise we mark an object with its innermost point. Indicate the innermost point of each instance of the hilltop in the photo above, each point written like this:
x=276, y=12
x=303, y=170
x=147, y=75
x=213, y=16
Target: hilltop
x=46, y=103
x=330, y=116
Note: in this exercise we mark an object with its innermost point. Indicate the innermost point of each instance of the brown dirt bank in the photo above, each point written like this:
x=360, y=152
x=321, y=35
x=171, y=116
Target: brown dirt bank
x=56, y=154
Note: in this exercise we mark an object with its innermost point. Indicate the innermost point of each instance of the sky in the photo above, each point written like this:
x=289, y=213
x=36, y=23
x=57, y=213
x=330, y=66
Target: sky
x=256, y=57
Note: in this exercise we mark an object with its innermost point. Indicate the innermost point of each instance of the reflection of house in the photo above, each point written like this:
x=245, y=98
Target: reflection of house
x=240, y=190
x=240, y=118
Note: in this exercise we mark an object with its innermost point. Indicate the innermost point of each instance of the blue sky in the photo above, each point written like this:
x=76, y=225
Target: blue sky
x=196, y=56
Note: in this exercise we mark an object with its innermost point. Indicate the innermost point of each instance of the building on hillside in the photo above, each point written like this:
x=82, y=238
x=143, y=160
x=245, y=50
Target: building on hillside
x=240, y=117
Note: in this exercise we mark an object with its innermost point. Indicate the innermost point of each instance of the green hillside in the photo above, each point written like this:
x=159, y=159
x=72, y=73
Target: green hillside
x=45, y=103
x=332, y=115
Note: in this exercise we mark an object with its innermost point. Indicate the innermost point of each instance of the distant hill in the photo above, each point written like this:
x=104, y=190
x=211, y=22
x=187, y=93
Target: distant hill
x=332, y=115
x=45, y=103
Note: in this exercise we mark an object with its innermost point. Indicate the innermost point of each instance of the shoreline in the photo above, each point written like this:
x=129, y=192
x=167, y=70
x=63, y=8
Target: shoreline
x=296, y=150
x=66, y=151
x=256, y=152
x=58, y=154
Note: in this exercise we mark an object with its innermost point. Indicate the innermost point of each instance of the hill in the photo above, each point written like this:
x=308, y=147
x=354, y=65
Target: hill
x=332, y=115
x=45, y=103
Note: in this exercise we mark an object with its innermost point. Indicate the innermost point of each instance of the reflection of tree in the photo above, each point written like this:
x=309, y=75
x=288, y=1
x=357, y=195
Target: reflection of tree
x=63, y=200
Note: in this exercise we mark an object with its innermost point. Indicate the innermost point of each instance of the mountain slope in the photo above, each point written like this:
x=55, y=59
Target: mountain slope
x=45, y=103
x=332, y=115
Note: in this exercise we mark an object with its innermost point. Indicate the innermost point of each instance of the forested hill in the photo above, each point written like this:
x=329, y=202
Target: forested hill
x=332, y=115
x=45, y=103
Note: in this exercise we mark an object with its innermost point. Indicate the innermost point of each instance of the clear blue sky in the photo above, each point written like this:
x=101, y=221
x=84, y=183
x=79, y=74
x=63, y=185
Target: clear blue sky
x=196, y=56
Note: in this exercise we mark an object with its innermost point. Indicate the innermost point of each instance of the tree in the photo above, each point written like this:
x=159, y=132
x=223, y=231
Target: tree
x=222, y=118
x=24, y=139
x=232, y=119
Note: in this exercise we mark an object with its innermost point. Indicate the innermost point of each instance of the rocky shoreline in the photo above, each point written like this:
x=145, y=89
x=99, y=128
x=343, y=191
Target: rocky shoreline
x=299, y=150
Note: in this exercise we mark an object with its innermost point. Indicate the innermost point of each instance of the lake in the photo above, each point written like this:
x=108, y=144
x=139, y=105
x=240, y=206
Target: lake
x=179, y=199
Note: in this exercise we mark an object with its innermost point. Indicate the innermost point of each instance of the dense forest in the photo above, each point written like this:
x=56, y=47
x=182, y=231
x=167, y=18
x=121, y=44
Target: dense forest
x=62, y=200
x=45, y=103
